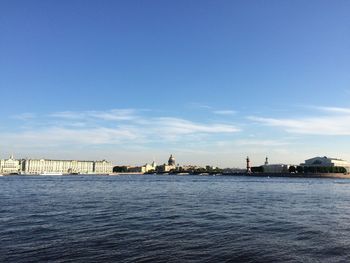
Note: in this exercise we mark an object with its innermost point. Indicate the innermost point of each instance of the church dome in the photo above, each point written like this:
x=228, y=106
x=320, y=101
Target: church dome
x=171, y=160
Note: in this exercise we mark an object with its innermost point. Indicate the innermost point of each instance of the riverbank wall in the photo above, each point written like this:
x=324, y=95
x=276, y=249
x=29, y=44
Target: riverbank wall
x=296, y=175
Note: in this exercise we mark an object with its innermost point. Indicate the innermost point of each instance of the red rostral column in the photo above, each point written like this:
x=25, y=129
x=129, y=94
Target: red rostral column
x=248, y=165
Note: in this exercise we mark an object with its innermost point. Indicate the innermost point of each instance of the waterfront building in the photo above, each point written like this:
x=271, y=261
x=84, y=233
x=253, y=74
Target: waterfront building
x=10, y=166
x=149, y=167
x=102, y=167
x=326, y=162
x=171, y=166
x=275, y=168
x=164, y=168
x=143, y=169
x=43, y=166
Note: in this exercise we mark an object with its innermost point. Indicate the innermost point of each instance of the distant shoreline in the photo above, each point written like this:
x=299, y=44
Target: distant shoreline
x=293, y=175
x=297, y=175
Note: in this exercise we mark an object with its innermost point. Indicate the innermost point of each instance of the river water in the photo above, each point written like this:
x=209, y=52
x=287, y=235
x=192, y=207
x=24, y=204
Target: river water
x=173, y=219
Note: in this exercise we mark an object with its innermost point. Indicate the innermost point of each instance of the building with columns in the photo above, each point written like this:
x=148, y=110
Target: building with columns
x=102, y=167
x=10, y=166
x=48, y=166
x=326, y=162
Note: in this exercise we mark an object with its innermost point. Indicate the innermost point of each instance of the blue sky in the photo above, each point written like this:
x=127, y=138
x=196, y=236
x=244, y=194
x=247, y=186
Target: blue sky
x=209, y=81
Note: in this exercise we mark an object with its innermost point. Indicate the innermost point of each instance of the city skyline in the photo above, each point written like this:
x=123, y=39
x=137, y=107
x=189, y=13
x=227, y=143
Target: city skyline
x=130, y=82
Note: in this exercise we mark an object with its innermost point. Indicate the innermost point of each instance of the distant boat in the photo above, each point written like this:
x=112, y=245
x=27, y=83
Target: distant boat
x=50, y=173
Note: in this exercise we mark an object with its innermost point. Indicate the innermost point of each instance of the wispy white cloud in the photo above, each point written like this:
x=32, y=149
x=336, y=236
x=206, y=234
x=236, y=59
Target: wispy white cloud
x=250, y=142
x=198, y=105
x=112, y=127
x=225, y=112
x=334, y=110
x=24, y=116
x=58, y=136
x=182, y=126
x=334, y=121
x=109, y=115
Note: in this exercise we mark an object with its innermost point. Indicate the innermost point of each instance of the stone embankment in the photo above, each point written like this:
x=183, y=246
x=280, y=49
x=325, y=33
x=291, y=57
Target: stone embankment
x=299, y=175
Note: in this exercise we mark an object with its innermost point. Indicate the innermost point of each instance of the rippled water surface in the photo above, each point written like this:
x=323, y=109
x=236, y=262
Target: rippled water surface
x=173, y=219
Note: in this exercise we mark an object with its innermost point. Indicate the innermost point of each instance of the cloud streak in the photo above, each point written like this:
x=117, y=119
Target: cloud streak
x=334, y=121
x=250, y=142
x=181, y=126
x=110, y=115
x=224, y=112
x=112, y=127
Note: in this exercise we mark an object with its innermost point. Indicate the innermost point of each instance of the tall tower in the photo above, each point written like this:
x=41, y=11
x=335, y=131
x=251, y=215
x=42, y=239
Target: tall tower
x=266, y=161
x=248, y=165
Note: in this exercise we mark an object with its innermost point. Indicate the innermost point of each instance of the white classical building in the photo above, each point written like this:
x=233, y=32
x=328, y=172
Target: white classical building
x=102, y=167
x=327, y=162
x=47, y=166
x=149, y=167
x=10, y=166
x=275, y=168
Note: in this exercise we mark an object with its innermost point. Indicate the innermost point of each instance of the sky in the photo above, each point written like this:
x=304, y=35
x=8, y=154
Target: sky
x=210, y=82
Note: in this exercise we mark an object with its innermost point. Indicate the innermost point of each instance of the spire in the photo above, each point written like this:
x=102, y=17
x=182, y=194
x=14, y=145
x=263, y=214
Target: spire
x=154, y=164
